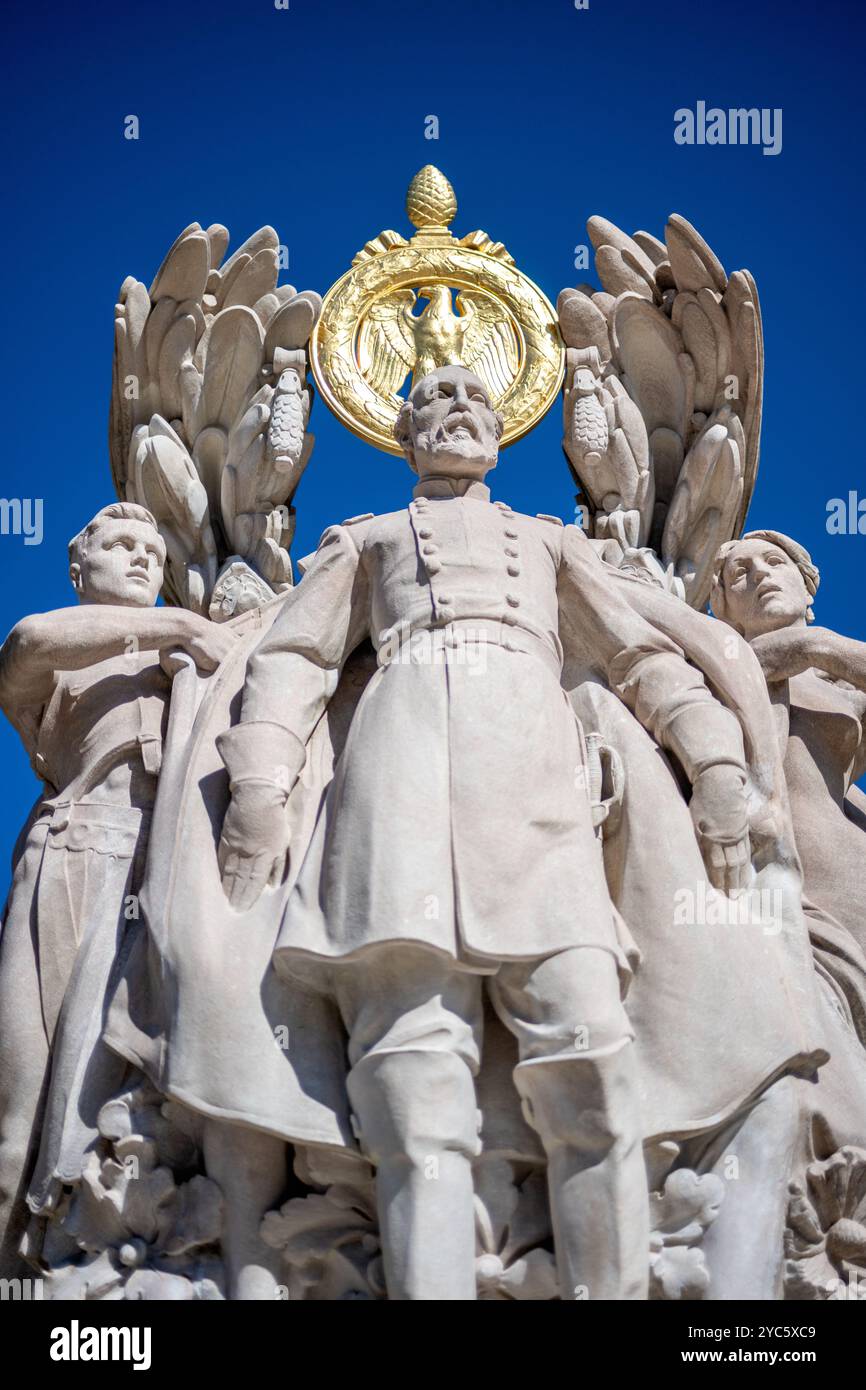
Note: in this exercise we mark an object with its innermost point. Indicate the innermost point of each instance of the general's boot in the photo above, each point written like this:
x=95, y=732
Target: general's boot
x=417, y=1117
x=587, y=1116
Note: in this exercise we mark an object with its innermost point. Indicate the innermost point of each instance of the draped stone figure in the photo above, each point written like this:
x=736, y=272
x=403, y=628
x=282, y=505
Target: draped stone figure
x=724, y=1005
x=454, y=924
x=421, y=876
x=197, y=1005
x=87, y=692
x=764, y=586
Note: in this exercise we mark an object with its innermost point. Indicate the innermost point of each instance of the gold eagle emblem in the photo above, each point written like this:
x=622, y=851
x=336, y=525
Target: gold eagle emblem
x=394, y=341
x=406, y=307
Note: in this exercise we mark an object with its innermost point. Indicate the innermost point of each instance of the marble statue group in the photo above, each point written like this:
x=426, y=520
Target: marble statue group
x=482, y=915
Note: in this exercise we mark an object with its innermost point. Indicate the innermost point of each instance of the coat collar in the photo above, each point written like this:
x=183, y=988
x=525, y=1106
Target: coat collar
x=452, y=487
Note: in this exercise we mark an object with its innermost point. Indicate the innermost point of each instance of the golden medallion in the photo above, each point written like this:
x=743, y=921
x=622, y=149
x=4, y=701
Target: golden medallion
x=406, y=307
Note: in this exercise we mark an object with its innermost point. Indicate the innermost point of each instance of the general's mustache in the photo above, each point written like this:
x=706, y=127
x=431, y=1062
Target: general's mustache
x=442, y=432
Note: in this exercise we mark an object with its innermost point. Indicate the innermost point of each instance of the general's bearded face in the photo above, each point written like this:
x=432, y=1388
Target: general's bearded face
x=123, y=564
x=454, y=428
x=764, y=589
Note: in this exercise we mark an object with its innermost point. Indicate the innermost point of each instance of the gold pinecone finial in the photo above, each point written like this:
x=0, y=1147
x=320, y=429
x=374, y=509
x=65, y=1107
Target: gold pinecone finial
x=430, y=200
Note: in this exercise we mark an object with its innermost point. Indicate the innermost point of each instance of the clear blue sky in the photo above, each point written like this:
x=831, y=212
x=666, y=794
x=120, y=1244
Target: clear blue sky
x=312, y=119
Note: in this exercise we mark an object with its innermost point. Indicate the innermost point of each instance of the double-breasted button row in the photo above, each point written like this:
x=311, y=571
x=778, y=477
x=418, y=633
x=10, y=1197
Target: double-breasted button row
x=512, y=553
x=442, y=603
x=429, y=549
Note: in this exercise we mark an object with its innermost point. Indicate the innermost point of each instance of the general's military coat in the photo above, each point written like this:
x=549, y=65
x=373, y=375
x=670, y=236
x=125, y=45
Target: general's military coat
x=459, y=815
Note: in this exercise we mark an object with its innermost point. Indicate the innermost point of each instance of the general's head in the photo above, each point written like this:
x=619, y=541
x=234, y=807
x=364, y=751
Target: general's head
x=763, y=582
x=118, y=558
x=448, y=427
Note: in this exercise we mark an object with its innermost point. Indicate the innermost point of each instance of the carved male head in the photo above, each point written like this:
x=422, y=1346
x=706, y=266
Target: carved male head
x=763, y=582
x=118, y=558
x=448, y=427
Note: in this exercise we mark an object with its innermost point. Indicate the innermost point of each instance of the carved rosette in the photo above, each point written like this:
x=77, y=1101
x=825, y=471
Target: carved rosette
x=825, y=1242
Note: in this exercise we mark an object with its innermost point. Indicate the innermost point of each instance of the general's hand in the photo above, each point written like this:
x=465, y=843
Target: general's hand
x=789, y=651
x=206, y=642
x=720, y=815
x=254, y=843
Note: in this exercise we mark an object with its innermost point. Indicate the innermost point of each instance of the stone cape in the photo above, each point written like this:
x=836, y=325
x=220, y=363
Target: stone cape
x=216, y=1003
x=702, y=993
x=196, y=1003
x=719, y=1012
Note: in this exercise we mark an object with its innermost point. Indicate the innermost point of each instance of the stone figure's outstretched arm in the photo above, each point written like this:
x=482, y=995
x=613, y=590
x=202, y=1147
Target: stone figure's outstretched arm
x=671, y=699
x=70, y=639
x=291, y=676
x=791, y=650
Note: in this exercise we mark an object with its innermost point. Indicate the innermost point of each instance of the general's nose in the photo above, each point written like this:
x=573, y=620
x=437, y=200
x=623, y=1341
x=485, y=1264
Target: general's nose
x=141, y=556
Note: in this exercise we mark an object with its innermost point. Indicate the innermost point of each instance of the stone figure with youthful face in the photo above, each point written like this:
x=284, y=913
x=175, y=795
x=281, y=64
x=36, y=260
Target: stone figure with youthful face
x=764, y=586
x=86, y=690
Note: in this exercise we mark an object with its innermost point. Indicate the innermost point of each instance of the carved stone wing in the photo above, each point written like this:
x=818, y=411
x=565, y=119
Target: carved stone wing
x=683, y=341
x=490, y=345
x=386, y=342
x=209, y=410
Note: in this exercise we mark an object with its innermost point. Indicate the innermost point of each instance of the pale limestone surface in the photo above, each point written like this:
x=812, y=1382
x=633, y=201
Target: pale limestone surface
x=764, y=586
x=468, y=900
x=209, y=411
x=88, y=692
x=662, y=402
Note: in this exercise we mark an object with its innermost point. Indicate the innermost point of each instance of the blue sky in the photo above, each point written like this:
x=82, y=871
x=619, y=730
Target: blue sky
x=312, y=119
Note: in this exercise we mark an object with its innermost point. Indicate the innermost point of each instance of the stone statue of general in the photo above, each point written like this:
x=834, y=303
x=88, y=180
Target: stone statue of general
x=456, y=851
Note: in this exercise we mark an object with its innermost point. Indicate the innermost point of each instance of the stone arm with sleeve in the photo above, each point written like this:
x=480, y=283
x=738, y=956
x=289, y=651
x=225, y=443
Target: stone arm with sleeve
x=788, y=651
x=71, y=639
x=670, y=698
x=291, y=676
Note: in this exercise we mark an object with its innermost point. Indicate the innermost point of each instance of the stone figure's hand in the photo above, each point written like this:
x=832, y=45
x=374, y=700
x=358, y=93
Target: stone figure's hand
x=254, y=842
x=720, y=816
x=789, y=651
x=206, y=642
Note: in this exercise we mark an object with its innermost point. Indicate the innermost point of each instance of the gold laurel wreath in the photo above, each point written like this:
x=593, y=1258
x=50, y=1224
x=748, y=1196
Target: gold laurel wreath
x=370, y=338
